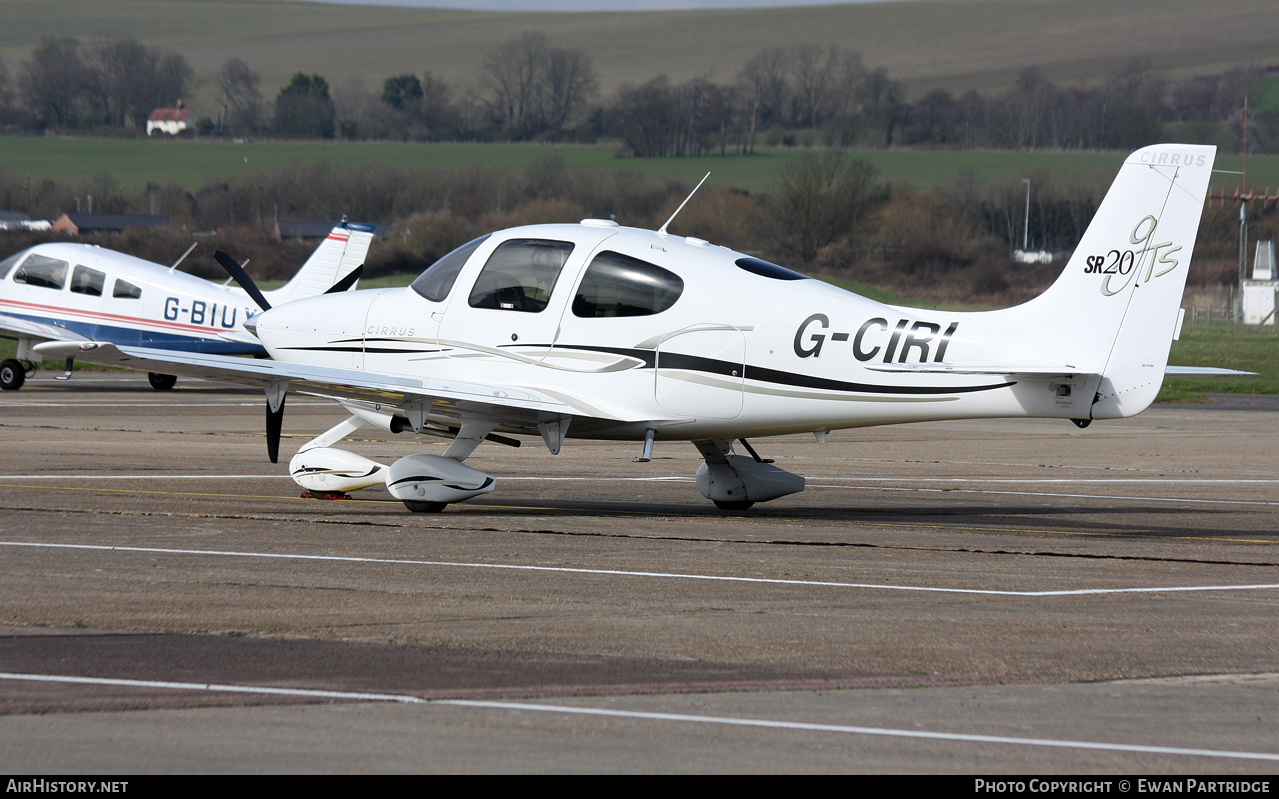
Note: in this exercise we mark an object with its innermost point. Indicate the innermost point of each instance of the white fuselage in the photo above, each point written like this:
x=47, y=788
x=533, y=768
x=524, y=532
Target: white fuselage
x=740, y=352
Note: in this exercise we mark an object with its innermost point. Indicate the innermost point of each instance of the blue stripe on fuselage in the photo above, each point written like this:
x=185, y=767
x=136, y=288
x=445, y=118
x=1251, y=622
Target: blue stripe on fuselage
x=133, y=337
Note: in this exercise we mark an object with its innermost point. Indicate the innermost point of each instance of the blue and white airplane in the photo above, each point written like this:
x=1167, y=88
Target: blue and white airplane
x=80, y=292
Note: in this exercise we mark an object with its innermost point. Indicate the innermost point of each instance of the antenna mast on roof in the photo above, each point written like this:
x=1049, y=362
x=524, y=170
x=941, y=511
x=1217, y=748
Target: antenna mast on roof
x=662, y=230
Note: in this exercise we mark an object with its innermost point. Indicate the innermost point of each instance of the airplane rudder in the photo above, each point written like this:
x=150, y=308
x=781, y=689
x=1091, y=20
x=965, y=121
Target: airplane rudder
x=1161, y=246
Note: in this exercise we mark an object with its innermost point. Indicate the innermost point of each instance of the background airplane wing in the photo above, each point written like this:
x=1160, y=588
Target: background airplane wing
x=509, y=405
x=17, y=326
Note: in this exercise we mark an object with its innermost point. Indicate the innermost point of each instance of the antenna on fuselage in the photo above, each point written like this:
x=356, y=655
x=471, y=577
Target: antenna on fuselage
x=183, y=258
x=662, y=230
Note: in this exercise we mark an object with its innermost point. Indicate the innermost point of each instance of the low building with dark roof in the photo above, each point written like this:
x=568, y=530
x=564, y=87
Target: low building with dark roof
x=300, y=231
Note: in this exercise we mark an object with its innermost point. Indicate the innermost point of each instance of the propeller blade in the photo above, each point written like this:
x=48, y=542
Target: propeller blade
x=274, y=425
x=237, y=272
x=348, y=281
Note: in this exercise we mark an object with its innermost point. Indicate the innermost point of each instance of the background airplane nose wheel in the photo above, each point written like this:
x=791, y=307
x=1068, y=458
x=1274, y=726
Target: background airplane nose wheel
x=12, y=374
x=425, y=507
x=161, y=382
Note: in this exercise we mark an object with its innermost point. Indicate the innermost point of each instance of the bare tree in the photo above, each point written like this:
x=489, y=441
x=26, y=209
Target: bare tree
x=818, y=199
x=765, y=90
x=814, y=72
x=570, y=83
x=881, y=99
x=6, y=94
x=133, y=79
x=512, y=73
x=647, y=118
x=534, y=87
x=239, y=99
x=55, y=84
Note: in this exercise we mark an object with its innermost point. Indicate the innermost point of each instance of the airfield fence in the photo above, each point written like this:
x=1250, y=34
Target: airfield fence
x=1210, y=314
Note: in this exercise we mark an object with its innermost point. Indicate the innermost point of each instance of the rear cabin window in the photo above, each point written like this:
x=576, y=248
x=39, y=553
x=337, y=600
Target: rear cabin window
x=437, y=281
x=520, y=275
x=126, y=291
x=43, y=271
x=87, y=281
x=619, y=285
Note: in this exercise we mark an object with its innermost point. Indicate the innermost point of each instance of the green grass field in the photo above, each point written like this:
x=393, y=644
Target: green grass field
x=952, y=44
x=1245, y=347
x=193, y=163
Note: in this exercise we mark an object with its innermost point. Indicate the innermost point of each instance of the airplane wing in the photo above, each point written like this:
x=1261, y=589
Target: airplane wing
x=1005, y=369
x=1032, y=370
x=17, y=326
x=509, y=405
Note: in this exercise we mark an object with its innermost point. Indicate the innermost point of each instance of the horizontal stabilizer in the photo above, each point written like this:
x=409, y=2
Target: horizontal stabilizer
x=1203, y=371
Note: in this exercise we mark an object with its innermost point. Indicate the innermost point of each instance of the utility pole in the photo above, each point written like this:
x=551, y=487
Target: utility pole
x=1025, y=228
x=1243, y=257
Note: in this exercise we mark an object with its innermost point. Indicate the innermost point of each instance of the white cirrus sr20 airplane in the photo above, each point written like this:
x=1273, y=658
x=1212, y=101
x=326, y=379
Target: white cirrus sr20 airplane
x=597, y=331
x=85, y=293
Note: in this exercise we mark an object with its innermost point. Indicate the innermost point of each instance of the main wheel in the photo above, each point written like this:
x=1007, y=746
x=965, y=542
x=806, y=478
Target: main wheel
x=425, y=507
x=12, y=374
x=733, y=504
x=161, y=382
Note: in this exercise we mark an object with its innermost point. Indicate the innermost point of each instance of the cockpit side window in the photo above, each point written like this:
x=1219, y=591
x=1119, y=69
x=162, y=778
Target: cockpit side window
x=619, y=285
x=8, y=263
x=520, y=275
x=43, y=271
x=437, y=281
x=87, y=281
x=125, y=290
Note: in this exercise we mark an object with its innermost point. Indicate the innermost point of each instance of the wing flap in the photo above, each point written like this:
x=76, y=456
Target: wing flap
x=18, y=326
x=1031, y=370
x=1005, y=369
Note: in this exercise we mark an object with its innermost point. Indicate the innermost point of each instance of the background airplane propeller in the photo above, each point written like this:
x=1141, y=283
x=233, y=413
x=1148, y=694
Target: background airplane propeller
x=238, y=274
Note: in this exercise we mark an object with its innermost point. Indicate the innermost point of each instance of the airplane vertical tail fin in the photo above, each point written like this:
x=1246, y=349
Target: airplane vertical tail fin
x=1115, y=308
x=343, y=250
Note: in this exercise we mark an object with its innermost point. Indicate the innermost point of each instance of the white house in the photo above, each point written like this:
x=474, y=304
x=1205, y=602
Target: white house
x=171, y=120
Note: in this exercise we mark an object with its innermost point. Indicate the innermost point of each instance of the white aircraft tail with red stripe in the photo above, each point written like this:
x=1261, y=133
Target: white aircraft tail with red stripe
x=343, y=250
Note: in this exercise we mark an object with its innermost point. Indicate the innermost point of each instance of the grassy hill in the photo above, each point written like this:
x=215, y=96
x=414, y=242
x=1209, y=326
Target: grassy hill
x=954, y=44
x=192, y=163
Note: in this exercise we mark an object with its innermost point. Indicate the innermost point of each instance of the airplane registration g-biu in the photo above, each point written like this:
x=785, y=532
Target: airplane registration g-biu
x=83, y=293
x=597, y=331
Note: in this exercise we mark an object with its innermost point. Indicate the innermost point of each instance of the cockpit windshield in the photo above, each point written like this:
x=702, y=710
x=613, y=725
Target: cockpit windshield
x=8, y=263
x=437, y=281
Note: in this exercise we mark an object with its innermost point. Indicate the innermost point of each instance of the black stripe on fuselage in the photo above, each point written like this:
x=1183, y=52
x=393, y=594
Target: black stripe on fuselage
x=697, y=363
x=373, y=350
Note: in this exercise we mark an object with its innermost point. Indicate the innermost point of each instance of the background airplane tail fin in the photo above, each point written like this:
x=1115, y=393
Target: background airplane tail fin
x=1116, y=307
x=344, y=249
